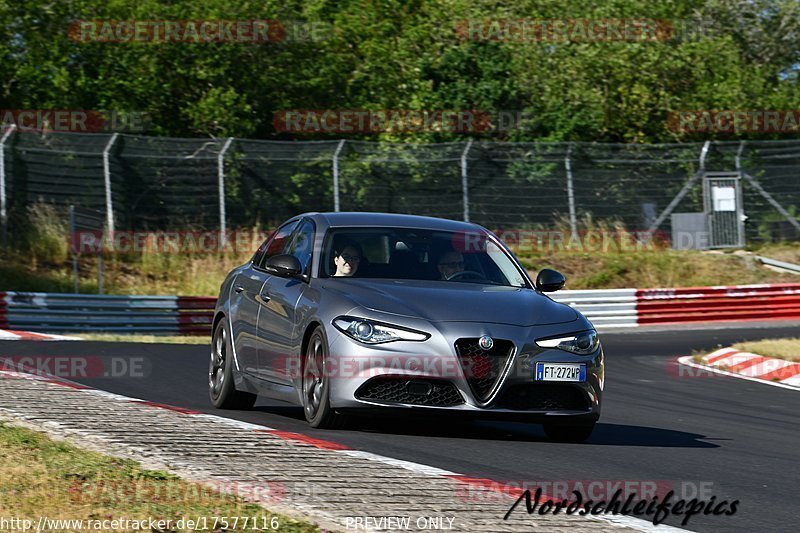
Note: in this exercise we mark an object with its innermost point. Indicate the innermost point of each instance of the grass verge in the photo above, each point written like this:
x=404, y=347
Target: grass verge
x=788, y=349
x=602, y=255
x=147, y=339
x=42, y=477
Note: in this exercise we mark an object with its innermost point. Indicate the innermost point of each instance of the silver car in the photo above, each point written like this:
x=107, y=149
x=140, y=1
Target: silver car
x=354, y=313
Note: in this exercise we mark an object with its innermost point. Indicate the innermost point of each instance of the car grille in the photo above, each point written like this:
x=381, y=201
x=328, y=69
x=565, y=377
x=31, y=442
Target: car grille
x=432, y=393
x=543, y=397
x=483, y=368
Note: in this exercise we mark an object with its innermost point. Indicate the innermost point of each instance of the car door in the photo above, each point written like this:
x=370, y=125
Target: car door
x=278, y=321
x=245, y=300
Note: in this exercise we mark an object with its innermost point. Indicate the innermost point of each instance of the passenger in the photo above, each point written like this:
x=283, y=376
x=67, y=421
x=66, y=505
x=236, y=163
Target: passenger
x=347, y=257
x=450, y=263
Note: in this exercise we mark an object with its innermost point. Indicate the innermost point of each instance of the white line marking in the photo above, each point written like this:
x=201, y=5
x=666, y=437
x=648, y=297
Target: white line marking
x=687, y=360
x=8, y=336
x=407, y=465
x=15, y=335
x=794, y=381
x=233, y=422
x=112, y=396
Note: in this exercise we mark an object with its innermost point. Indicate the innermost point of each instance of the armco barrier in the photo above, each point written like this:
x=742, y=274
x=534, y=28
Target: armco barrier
x=710, y=304
x=55, y=313
x=192, y=315
x=612, y=308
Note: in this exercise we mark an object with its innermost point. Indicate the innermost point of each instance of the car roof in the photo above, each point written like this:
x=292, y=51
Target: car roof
x=356, y=219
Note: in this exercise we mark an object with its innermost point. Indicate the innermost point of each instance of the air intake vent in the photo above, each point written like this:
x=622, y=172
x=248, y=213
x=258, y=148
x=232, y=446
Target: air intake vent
x=543, y=397
x=483, y=368
x=428, y=392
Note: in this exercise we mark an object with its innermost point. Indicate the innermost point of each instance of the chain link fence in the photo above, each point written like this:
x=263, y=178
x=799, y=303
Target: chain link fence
x=157, y=183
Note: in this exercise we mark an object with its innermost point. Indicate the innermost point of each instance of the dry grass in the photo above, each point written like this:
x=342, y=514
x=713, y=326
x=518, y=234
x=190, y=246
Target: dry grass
x=147, y=339
x=42, y=477
x=604, y=256
x=788, y=349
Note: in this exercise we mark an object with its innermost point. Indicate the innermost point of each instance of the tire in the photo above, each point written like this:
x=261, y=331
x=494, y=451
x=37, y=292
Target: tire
x=221, y=389
x=563, y=433
x=316, y=385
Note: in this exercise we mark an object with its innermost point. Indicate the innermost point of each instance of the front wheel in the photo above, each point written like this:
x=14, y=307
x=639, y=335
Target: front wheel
x=221, y=389
x=316, y=385
x=563, y=433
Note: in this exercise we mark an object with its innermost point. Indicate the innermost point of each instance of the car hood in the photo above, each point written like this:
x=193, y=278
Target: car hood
x=443, y=301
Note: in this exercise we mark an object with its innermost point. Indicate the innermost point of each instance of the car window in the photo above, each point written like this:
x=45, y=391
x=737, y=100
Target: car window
x=277, y=243
x=262, y=250
x=302, y=244
x=420, y=254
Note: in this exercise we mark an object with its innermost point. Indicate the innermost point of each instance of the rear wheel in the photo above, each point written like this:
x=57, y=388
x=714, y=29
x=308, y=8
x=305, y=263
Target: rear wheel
x=316, y=385
x=221, y=389
x=563, y=433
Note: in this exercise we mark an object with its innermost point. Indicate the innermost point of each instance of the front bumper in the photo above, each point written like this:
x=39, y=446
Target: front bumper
x=353, y=366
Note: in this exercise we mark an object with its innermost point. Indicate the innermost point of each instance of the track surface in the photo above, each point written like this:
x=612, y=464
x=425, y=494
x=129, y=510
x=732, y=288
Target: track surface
x=656, y=425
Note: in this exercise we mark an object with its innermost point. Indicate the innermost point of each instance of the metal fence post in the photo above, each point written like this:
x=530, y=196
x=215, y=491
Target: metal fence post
x=73, y=249
x=464, y=180
x=339, y=148
x=3, y=207
x=573, y=217
x=107, y=181
x=221, y=186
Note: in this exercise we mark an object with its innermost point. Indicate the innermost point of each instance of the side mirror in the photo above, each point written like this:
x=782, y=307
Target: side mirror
x=284, y=265
x=549, y=280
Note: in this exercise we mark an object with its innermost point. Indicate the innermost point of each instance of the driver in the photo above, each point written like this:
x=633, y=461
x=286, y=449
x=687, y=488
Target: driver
x=450, y=263
x=347, y=258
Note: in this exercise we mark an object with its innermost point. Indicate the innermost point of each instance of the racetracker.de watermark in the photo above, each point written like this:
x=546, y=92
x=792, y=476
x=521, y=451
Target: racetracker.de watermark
x=565, y=30
x=245, y=31
x=74, y=120
x=581, y=241
x=78, y=366
x=166, y=242
x=94, y=242
x=375, y=121
x=481, y=491
x=146, y=491
x=735, y=121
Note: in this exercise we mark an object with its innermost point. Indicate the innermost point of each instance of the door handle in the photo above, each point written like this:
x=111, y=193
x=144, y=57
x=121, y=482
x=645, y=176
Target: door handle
x=265, y=297
x=238, y=288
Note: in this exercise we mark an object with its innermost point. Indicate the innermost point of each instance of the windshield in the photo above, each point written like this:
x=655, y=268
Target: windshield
x=418, y=254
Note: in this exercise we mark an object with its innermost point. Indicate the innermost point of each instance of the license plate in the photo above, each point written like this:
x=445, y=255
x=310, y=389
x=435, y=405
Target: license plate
x=560, y=372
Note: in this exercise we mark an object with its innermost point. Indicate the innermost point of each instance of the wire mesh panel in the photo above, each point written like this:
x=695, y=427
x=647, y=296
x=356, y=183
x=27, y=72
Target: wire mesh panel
x=270, y=181
x=166, y=183
x=169, y=182
x=518, y=185
x=57, y=168
x=634, y=183
x=773, y=169
x=419, y=179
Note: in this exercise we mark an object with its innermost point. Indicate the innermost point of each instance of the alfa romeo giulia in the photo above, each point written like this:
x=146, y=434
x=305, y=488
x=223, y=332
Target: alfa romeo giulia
x=365, y=313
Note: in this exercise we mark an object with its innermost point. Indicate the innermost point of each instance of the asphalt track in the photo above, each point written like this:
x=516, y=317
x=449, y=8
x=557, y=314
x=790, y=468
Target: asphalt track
x=738, y=438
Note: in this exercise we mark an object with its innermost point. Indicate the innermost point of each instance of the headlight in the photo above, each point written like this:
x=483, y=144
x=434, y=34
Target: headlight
x=371, y=332
x=583, y=343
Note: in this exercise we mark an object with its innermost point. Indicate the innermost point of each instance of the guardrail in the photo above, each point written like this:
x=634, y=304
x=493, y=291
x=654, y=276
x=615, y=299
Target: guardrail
x=53, y=312
x=192, y=315
x=611, y=308
x=709, y=304
x=781, y=266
